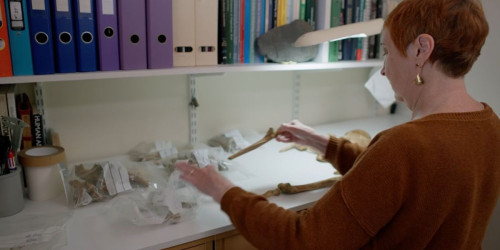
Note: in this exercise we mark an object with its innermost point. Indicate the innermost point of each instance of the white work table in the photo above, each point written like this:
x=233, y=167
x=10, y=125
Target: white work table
x=94, y=227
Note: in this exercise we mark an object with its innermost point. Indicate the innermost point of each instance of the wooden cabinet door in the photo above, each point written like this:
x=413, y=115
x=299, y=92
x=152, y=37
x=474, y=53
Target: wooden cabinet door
x=201, y=244
x=232, y=240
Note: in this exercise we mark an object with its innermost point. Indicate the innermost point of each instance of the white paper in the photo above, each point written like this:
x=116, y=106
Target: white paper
x=108, y=7
x=38, y=4
x=115, y=173
x=381, y=89
x=202, y=158
x=166, y=149
x=108, y=179
x=124, y=178
x=16, y=11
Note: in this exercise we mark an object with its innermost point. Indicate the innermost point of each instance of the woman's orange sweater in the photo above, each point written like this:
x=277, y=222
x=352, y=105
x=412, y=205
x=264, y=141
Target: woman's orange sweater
x=430, y=183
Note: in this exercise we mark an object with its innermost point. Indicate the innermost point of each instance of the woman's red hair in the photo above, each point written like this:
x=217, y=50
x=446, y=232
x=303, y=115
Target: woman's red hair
x=459, y=29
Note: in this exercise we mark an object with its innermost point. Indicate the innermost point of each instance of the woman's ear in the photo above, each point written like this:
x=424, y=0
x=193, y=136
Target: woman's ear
x=424, y=45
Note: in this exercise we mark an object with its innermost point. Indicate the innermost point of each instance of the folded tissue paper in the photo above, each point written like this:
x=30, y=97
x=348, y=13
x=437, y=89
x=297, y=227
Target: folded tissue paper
x=380, y=88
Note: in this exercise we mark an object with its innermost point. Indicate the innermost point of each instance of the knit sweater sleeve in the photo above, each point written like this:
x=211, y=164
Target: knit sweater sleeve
x=342, y=154
x=417, y=185
x=327, y=225
x=334, y=222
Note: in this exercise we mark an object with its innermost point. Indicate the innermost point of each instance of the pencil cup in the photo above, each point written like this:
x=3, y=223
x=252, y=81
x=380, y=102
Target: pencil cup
x=11, y=194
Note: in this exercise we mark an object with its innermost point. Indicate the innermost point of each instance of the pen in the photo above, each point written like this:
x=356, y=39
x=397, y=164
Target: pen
x=11, y=163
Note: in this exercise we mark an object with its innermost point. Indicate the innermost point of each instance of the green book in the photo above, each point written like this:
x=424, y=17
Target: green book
x=302, y=10
x=335, y=20
x=229, y=19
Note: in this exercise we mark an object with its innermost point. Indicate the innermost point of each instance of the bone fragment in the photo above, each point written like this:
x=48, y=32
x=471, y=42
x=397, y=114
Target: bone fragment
x=287, y=188
x=269, y=136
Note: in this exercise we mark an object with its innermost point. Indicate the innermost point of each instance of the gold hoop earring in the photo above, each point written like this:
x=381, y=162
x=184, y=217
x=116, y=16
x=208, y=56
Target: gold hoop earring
x=418, y=78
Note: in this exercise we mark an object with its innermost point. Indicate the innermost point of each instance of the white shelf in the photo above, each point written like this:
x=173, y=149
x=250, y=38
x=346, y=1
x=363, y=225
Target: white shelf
x=96, y=226
x=191, y=71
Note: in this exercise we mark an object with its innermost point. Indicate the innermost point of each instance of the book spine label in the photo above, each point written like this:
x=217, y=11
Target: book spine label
x=38, y=130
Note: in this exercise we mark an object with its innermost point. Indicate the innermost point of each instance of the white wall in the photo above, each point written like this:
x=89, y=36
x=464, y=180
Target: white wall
x=484, y=84
x=483, y=80
x=101, y=118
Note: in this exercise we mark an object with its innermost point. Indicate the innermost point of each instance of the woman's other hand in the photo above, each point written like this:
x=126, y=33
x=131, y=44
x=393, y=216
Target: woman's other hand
x=206, y=179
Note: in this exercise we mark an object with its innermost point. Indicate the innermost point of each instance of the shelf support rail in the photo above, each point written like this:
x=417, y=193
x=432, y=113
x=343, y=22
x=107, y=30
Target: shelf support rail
x=193, y=104
x=296, y=96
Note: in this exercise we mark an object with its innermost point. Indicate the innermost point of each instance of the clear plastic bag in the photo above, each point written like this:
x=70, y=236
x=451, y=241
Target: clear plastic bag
x=153, y=152
x=99, y=181
x=231, y=141
x=202, y=155
x=34, y=231
x=165, y=200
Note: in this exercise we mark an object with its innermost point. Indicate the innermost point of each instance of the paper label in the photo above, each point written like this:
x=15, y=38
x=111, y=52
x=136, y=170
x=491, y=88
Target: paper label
x=108, y=7
x=237, y=137
x=38, y=4
x=202, y=158
x=116, y=178
x=84, y=6
x=108, y=179
x=16, y=11
x=124, y=177
x=166, y=149
x=62, y=5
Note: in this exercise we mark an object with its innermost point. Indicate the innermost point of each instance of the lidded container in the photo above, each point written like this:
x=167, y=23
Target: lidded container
x=42, y=172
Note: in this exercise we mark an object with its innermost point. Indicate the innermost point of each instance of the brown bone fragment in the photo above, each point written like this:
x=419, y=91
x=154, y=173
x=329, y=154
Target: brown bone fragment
x=269, y=136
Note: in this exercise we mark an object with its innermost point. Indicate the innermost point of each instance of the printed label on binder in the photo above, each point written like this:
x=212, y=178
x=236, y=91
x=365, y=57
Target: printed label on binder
x=85, y=6
x=108, y=7
x=16, y=15
x=62, y=5
x=38, y=4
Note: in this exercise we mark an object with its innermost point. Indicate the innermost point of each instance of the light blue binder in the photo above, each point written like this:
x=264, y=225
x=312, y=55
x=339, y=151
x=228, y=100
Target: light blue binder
x=19, y=37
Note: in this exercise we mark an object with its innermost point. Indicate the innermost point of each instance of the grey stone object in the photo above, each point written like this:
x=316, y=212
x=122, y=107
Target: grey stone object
x=277, y=44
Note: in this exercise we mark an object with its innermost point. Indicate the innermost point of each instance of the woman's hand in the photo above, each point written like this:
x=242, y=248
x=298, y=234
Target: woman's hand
x=299, y=133
x=206, y=179
x=294, y=131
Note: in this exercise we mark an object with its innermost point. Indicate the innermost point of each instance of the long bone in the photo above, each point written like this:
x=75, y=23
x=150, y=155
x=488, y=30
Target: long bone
x=357, y=136
x=268, y=137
